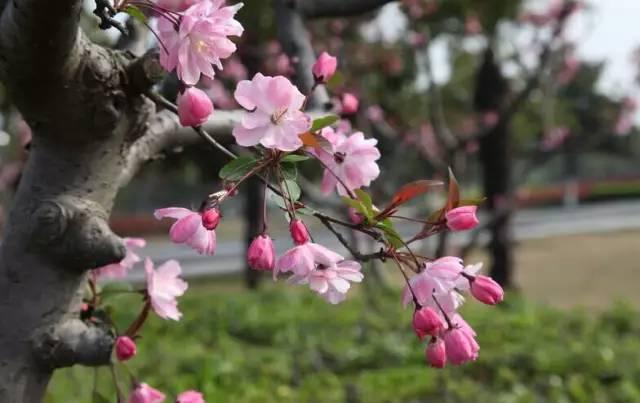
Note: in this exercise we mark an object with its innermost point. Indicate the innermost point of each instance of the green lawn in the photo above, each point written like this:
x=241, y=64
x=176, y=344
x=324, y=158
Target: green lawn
x=284, y=345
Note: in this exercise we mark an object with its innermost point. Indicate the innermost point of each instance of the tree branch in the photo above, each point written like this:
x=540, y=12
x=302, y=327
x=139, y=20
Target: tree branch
x=338, y=8
x=295, y=40
x=74, y=342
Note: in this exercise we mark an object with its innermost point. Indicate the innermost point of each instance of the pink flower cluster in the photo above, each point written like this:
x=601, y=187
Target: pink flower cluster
x=326, y=272
x=436, y=295
x=350, y=162
x=194, y=37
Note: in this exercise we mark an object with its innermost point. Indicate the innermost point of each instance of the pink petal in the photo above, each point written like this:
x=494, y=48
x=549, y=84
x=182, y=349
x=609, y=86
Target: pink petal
x=185, y=228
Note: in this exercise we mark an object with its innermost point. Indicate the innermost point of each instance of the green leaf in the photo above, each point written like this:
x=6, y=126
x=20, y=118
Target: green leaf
x=323, y=122
x=472, y=202
x=293, y=158
x=136, y=13
x=292, y=188
x=238, y=168
x=289, y=170
x=390, y=232
x=367, y=203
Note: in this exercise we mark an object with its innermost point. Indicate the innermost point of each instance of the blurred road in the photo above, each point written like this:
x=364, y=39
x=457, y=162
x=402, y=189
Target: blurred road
x=529, y=224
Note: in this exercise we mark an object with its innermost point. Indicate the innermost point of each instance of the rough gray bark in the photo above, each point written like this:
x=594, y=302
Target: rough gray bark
x=85, y=107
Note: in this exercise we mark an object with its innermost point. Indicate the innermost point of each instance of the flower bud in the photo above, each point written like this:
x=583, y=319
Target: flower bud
x=355, y=216
x=436, y=353
x=144, y=393
x=486, y=290
x=125, y=348
x=299, y=232
x=426, y=321
x=194, y=107
x=211, y=218
x=462, y=218
x=190, y=396
x=350, y=104
x=460, y=346
x=324, y=68
x=262, y=253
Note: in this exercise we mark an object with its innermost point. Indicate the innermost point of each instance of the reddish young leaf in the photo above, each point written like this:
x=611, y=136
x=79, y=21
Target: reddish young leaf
x=314, y=140
x=408, y=192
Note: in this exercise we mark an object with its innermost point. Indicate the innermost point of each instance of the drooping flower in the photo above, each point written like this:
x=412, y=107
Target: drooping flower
x=194, y=107
x=352, y=159
x=125, y=348
x=188, y=229
x=190, y=396
x=211, y=218
x=120, y=269
x=460, y=345
x=144, y=393
x=261, y=254
x=462, y=218
x=302, y=259
x=200, y=41
x=426, y=321
x=299, y=232
x=486, y=290
x=163, y=287
x=436, y=353
x=324, y=68
x=275, y=119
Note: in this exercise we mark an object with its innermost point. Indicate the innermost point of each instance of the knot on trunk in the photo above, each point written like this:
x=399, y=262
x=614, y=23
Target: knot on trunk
x=73, y=342
x=75, y=232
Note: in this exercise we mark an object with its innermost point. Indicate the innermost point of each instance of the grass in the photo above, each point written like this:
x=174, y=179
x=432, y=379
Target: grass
x=283, y=344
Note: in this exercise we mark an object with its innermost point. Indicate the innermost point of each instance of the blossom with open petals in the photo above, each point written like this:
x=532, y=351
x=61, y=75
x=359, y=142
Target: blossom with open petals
x=189, y=229
x=163, y=287
x=351, y=158
x=275, y=119
x=120, y=269
x=199, y=40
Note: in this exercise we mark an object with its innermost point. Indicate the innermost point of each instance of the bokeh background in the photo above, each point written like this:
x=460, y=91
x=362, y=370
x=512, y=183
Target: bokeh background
x=533, y=104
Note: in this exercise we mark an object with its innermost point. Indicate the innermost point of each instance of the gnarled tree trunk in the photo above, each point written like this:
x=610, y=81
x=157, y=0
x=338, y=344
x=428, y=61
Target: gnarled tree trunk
x=88, y=117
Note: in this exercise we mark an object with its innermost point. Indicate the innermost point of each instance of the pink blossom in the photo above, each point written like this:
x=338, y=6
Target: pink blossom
x=275, y=120
x=426, y=321
x=194, y=107
x=211, y=218
x=332, y=282
x=554, y=138
x=303, y=259
x=324, y=68
x=190, y=396
x=438, y=279
x=462, y=218
x=460, y=346
x=235, y=70
x=163, y=287
x=176, y=5
x=350, y=104
x=261, y=254
x=352, y=159
x=120, y=269
x=570, y=69
x=299, y=232
x=486, y=290
x=125, y=348
x=200, y=41
x=375, y=113
x=326, y=272
x=144, y=393
x=219, y=94
x=436, y=353
x=188, y=229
